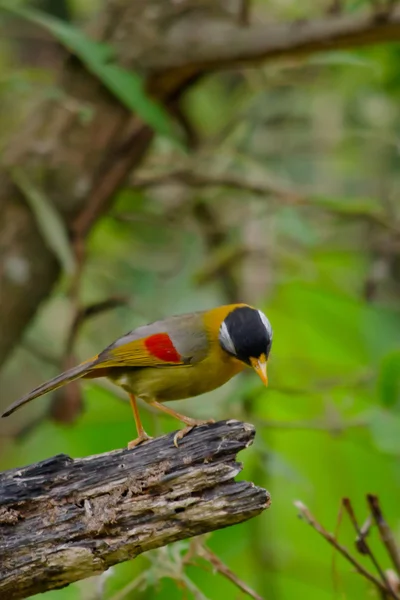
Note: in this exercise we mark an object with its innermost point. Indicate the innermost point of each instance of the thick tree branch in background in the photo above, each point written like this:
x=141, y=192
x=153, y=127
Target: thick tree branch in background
x=214, y=44
x=82, y=516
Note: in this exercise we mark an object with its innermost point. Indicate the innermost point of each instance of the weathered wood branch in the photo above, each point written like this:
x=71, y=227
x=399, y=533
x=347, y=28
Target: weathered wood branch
x=62, y=519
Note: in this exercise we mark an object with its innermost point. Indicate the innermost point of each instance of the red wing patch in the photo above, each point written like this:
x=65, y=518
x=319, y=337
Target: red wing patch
x=161, y=346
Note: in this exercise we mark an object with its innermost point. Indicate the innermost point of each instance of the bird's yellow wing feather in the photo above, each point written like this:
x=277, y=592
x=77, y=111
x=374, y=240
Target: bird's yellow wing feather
x=153, y=351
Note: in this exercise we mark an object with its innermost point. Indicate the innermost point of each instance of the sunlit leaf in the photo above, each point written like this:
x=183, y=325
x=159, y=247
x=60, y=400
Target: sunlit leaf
x=389, y=379
x=349, y=206
x=49, y=221
x=342, y=58
x=385, y=429
x=99, y=58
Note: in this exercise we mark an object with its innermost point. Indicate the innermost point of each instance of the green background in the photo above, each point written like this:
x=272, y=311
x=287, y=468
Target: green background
x=318, y=252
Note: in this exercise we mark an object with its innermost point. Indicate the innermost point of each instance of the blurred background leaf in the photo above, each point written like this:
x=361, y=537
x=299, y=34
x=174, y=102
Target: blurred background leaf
x=99, y=58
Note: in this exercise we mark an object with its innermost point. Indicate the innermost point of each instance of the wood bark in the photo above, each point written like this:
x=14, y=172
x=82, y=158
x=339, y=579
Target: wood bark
x=65, y=519
x=79, y=165
x=219, y=43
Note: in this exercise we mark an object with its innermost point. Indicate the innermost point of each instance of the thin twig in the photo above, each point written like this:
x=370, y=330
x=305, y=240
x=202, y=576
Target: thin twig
x=223, y=260
x=361, y=543
x=335, y=573
x=42, y=354
x=224, y=570
x=275, y=190
x=133, y=585
x=385, y=532
x=314, y=425
x=87, y=312
x=363, y=546
x=310, y=519
x=226, y=180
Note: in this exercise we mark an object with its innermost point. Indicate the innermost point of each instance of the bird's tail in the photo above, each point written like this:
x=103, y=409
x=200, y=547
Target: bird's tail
x=55, y=383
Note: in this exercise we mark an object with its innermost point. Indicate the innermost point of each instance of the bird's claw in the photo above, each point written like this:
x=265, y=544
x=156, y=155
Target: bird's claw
x=181, y=434
x=191, y=425
x=143, y=437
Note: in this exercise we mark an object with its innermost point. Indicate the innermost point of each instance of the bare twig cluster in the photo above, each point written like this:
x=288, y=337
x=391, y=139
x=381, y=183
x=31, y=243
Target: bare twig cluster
x=171, y=562
x=386, y=581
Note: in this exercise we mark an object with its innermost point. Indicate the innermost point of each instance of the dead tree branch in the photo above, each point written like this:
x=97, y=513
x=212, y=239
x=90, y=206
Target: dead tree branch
x=62, y=520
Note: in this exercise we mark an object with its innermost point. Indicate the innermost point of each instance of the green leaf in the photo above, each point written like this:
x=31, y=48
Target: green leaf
x=389, y=379
x=129, y=88
x=350, y=206
x=48, y=220
x=342, y=58
x=385, y=430
x=99, y=58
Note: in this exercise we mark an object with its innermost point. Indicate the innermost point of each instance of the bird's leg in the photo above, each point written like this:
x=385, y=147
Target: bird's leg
x=142, y=435
x=187, y=420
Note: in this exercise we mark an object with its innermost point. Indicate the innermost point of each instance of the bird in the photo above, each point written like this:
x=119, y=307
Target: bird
x=179, y=357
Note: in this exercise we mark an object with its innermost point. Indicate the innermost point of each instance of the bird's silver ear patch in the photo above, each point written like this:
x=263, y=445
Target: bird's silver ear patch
x=226, y=340
x=266, y=323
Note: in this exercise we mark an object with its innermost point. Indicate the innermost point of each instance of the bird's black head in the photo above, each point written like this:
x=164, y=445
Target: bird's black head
x=246, y=334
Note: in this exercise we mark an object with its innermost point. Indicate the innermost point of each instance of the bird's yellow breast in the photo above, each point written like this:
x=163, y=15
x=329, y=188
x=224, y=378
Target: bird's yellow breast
x=179, y=382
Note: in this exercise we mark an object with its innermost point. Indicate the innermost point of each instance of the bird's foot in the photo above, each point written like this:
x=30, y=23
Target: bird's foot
x=143, y=437
x=191, y=424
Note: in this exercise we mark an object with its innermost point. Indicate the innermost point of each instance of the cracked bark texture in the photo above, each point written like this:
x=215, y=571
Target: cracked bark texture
x=80, y=165
x=62, y=520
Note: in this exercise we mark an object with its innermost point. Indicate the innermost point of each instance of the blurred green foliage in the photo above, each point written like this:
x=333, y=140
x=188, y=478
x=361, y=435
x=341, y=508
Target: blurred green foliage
x=318, y=251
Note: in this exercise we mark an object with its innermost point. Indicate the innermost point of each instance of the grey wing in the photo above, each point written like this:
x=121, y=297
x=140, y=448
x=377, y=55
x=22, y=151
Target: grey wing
x=189, y=336
x=185, y=331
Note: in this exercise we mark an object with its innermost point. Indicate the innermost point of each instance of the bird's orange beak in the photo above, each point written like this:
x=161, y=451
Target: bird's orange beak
x=260, y=367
